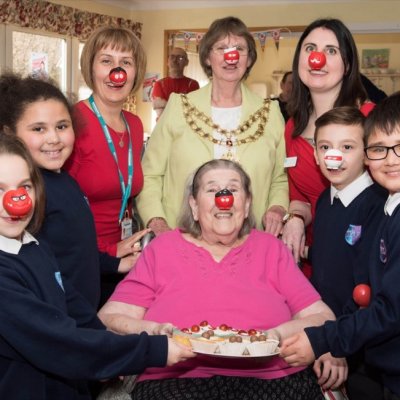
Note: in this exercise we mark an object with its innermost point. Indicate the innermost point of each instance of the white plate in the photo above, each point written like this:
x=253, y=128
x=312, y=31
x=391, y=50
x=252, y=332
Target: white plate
x=242, y=356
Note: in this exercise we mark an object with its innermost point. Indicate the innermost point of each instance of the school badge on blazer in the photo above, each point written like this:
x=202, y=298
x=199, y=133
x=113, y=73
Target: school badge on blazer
x=382, y=251
x=353, y=234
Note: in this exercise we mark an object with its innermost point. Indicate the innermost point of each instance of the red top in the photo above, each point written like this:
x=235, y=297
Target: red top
x=306, y=181
x=164, y=87
x=95, y=170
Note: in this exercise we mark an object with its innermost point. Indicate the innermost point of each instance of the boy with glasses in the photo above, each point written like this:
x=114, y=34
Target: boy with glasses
x=376, y=327
x=176, y=82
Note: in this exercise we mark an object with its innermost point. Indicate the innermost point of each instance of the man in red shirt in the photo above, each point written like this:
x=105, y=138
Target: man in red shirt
x=176, y=82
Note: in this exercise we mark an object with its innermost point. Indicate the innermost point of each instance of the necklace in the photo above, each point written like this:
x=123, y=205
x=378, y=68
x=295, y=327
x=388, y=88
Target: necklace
x=229, y=138
x=121, y=138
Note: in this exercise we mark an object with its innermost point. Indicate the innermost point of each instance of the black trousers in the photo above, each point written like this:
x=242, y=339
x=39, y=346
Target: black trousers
x=300, y=386
x=390, y=396
x=363, y=382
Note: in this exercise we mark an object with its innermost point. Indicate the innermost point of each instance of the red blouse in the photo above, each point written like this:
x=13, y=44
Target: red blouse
x=94, y=168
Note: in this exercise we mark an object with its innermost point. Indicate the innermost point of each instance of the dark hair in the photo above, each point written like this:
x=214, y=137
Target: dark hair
x=221, y=28
x=12, y=145
x=186, y=221
x=352, y=92
x=347, y=116
x=285, y=76
x=118, y=38
x=385, y=117
x=17, y=93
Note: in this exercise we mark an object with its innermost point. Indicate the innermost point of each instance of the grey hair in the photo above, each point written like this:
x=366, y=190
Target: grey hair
x=187, y=223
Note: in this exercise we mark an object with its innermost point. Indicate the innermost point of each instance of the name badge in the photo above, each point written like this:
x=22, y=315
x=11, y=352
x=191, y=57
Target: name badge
x=290, y=162
x=126, y=228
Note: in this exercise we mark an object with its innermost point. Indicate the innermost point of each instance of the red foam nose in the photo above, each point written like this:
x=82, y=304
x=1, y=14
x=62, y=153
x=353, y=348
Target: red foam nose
x=118, y=75
x=316, y=60
x=224, y=199
x=17, y=203
x=231, y=56
x=362, y=295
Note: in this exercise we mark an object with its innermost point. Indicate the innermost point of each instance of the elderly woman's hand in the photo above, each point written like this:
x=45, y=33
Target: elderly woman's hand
x=273, y=220
x=294, y=236
x=331, y=372
x=293, y=232
x=163, y=329
x=158, y=225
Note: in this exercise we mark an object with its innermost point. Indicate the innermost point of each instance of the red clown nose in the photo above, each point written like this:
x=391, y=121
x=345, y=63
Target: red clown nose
x=118, y=76
x=231, y=55
x=17, y=203
x=316, y=60
x=224, y=199
x=362, y=295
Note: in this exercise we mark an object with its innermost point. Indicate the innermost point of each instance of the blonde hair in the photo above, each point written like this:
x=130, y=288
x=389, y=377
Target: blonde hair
x=118, y=38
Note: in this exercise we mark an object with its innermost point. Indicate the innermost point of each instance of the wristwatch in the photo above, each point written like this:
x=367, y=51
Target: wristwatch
x=289, y=216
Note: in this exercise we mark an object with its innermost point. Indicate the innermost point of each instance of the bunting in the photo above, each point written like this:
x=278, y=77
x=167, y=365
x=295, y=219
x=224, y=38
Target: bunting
x=261, y=36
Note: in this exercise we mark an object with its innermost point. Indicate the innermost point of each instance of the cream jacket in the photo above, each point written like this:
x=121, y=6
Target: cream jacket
x=174, y=151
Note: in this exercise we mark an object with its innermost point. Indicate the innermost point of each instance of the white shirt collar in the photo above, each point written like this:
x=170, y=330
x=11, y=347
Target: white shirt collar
x=351, y=191
x=391, y=203
x=13, y=246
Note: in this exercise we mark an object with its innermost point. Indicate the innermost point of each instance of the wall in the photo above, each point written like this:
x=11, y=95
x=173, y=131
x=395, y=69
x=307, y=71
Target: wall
x=361, y=13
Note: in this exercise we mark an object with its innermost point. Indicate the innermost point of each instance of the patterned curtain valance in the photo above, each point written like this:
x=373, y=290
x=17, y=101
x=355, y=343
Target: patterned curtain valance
x=38, y=14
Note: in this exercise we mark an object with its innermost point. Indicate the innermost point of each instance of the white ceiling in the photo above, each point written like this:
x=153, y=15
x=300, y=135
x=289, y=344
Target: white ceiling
x=133, y=5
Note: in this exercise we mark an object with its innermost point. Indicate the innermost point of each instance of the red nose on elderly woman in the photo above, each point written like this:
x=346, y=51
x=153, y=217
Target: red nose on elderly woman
x=217, y=267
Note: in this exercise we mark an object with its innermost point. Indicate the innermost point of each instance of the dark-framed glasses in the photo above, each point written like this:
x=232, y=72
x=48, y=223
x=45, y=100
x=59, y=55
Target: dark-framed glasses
x=381, y=152
x=220, y=50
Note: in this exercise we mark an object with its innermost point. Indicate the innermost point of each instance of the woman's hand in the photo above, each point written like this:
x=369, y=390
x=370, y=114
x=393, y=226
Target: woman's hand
x=293, y=232
x=294, y=236
x=131, y=245
x=331, y=372
x=158, y=225
x=163, y=329
x=273, y=220
x=178, y=352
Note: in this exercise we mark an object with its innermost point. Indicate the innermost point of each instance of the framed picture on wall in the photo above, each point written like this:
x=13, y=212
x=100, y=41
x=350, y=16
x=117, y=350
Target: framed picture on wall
x=375, y=58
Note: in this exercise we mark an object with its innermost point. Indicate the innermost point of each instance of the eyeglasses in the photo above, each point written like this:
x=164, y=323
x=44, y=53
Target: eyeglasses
x=177, y=57
x=220, y=50
x=381, y=152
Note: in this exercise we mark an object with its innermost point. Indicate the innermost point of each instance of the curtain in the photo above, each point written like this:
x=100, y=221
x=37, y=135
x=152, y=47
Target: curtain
x=38, y=14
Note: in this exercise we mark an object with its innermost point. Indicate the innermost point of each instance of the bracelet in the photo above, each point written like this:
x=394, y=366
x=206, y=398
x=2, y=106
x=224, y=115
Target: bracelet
x=289, y=216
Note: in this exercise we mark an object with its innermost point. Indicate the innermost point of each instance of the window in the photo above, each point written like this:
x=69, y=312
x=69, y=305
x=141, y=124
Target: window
x=43, y=55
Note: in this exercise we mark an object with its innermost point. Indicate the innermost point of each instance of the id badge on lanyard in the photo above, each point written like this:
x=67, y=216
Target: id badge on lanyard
x=124, y=220
x=126, y=226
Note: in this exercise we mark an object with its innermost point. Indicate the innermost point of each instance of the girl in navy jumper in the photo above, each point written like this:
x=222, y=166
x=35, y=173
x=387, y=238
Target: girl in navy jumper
x=41, y=117
x=50, y=339
x=376, y=328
